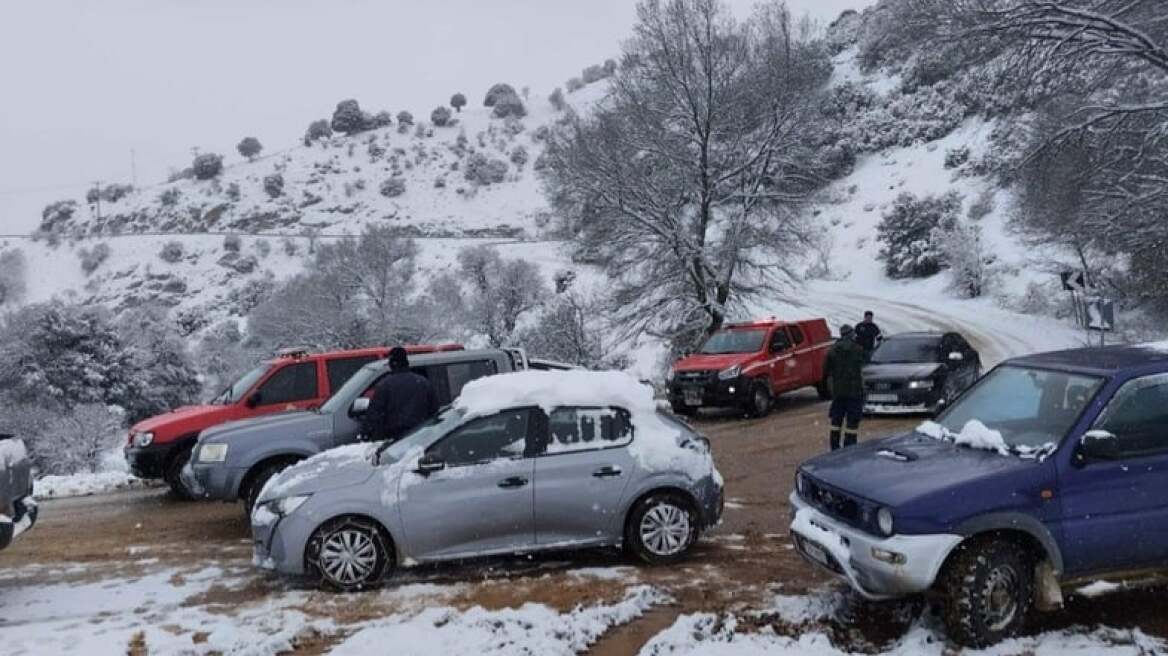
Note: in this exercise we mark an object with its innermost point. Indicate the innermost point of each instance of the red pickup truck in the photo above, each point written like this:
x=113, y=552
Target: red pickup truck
x=747, y=365
x=159, y=447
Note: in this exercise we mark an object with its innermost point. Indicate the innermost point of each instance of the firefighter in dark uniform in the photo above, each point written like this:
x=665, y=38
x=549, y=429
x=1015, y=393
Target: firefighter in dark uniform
x=845, y=365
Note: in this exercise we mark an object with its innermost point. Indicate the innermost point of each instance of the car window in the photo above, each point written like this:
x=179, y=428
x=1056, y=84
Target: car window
x=1138, y=417
x=293, y=383
x=797, y=335
x=573, y=429
x=780, y=341
x=459, y=374
x=502, y=435
x=340, y=370
x=907, y=350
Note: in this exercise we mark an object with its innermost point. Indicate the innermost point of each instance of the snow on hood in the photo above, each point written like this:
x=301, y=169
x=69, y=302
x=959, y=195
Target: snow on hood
x=552, y=389
x=1160, y=347
x=977, y=435
x=327, y=466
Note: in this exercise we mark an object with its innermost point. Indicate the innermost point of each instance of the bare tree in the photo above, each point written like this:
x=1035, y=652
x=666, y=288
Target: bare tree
x=501, y=291
x=685, y=182
x=13, y=283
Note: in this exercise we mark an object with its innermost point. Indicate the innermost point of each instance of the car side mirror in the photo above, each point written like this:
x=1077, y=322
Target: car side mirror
x=428, y=464
x=360, y=407
x=956, y=356
x=1098, y=445
x=254, y=400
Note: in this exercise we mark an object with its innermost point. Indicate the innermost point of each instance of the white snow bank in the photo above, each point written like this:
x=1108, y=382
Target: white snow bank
x=529, y=629
x=710, y=635
x=85, y=484
x=977, y=435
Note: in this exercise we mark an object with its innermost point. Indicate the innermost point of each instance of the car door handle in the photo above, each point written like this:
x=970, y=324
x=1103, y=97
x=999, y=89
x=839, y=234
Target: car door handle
x=607, y=472
x=513, y=482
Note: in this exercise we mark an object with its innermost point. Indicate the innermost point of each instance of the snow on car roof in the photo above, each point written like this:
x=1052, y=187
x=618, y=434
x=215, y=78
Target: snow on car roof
x=551, y=389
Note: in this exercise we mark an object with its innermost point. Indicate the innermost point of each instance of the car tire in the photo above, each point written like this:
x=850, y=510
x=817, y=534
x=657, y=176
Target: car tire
x=683, y=410
x=989, y=589
x=256, y=482
x=661, y=528
x=173, y=475
x=824, y=388
x=349, y=554
x=761, y=401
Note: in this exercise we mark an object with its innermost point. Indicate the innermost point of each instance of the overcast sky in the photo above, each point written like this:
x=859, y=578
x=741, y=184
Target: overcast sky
x=83, y=83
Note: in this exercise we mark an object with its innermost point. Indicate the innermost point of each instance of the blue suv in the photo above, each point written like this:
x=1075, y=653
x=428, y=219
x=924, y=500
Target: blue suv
x=1052, y=470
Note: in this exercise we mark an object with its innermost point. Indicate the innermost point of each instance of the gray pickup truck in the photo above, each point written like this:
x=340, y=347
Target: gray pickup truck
x=18, y=510
x=233, y=461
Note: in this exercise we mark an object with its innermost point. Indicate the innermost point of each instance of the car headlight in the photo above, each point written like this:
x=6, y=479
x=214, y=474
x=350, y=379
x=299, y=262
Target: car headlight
x=920, y=384
x=141, y=440
x=732, y=372
x=884, y=521
x=213, y=452
x=287, y=505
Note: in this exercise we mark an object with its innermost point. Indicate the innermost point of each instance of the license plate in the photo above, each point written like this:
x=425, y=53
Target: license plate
x=883, y=398
x=816, y=553
x=693, y=397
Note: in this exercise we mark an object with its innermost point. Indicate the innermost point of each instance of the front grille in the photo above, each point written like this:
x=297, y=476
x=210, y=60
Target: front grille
x=883, y=386
x=836, y=504
x=694, y=377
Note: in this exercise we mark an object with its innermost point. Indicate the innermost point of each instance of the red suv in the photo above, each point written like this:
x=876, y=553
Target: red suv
x=748, y=364
x=159, y=447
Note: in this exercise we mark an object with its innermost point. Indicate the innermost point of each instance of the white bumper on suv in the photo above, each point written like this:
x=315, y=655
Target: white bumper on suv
x=877, y=568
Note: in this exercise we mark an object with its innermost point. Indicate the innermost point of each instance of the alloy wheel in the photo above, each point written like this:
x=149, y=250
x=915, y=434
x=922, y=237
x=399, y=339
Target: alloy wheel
x=348, y=556
x=1000, y=598
x=665, y=530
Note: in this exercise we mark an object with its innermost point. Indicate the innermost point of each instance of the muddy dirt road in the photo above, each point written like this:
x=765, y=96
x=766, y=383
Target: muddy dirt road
x=132, y=536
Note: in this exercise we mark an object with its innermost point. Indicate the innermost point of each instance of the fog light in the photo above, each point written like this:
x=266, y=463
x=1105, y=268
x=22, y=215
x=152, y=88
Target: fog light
x=890, y=557
x=732, y=390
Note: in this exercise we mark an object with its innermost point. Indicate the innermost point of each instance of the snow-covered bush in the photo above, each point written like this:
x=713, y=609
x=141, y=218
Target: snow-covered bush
x=57, y=215
x=557, y=100
x=172, y=251
x=379, y=120
x=207, y=166
x=110, y=193
x=519, y=156
x=92, y=258
x=274, y=185
x=249, y=147
x=509, y=106
x=973, y=267
x=233, y=192
x=319, y=129
x=498, y=91
x=263, y=247
x=169, y=197
x=74, y=440
x=405, y=118
x=981, y=206
x=348, y=118
x=956, y=157
x=440, y=116
x=393, y=187
x=594, y=74
x=907, y=233
x=232, y=243
x=482, y=170
x=13, y=282
x=458, y=101
x=574, y=84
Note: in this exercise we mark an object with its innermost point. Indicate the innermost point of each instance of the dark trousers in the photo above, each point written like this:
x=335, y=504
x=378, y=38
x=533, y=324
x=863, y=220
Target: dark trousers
x=845, y=415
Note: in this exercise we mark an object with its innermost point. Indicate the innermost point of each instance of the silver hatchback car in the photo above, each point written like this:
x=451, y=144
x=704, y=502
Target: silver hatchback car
x=521, y=462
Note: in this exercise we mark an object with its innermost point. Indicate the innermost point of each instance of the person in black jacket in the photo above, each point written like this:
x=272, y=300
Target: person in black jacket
x=845, y=367
x=401, y=401
x=868, y=335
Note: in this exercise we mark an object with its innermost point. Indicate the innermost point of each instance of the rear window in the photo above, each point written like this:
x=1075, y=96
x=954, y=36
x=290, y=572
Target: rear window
x=295, y=382
x=585, y=429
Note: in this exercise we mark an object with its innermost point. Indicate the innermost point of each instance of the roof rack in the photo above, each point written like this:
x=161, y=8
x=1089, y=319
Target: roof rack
x=294, y=352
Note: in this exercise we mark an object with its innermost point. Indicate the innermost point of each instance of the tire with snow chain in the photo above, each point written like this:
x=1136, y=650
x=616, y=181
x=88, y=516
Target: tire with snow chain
x=661, y=528
x=989, y=589
x=348, y=554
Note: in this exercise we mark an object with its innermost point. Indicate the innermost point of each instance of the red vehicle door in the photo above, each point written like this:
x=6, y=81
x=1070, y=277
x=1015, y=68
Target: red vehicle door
x=802, y=356
x=292, y=386
x=783, y=363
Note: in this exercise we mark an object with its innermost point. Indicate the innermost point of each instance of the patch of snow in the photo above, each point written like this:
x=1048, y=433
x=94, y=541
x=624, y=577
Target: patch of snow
x=1159, y=347
x=1098, y=589
x=84, y=484
x=977, y=435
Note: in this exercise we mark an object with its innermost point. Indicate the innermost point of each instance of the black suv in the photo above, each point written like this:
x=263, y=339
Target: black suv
x=919, y=372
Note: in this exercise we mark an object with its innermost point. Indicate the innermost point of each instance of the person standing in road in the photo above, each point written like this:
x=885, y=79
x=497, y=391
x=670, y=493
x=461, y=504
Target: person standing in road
x=401, y=401
x=845, y=365
x=868, y=335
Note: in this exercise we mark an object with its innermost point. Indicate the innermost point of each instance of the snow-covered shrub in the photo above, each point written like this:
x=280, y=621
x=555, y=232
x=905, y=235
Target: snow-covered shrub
x=956, y=157
x=393, y=187
x=290, y=247
x=519, y=156
x=319, y=129
x=506, y=106
x=348, y=118
x=110, y=193
x=242, y=300
x=249, y=147
x=207, y=166
x=75, y=439
x=563, y=280
x=981, y=206
x=498, y=91
x=13, y=282
x=594, y=74
x=183, y=174
x=972, y=265
x=557, y=100
x=440, y=116
x=482, y=170
x=91, y=258
x=57, y=215
x=405, y=117
x=274, y=185
x=843, y=32
x=574, y=84
x=232, y=243
x=458, y=101
x=907, y=234
x=169, y=197
x=172, y=251
x=380, y=120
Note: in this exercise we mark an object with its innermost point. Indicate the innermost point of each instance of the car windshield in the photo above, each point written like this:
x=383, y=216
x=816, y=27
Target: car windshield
x=240, y=387
x=905, y=350
x=420, y=437
x=734, y=341
x=357, y=384
x=1031, y=408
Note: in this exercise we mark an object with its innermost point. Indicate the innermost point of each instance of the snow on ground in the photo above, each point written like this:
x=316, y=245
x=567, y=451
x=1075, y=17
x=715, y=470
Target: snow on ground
x=113, y=474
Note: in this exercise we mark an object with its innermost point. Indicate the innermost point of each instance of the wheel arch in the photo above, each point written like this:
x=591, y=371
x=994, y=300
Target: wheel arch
x=391, y=544
x=1016, y=527
x=288, y=457
x=662, y=488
